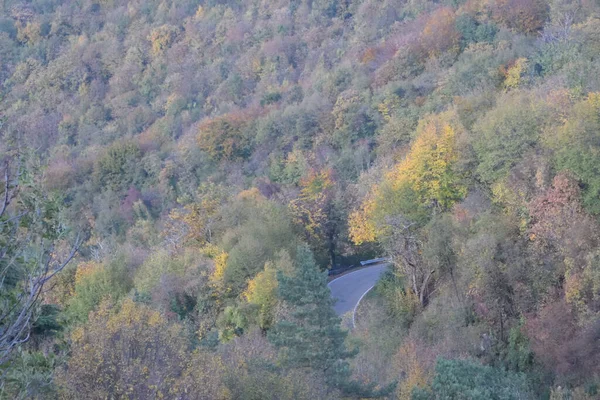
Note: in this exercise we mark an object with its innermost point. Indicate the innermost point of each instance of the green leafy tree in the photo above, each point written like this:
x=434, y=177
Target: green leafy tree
x=519, y=356
x=504, y=135
x=471, y=31
x=576, y=148
x=116, y=167
x=262, y=294
x=266, y=231
x=95, y=282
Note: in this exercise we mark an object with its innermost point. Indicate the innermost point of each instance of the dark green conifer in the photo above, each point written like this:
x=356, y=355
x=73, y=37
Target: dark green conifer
x=311, y=336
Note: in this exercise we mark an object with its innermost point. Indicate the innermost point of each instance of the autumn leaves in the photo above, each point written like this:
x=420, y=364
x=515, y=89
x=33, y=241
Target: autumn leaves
x=426, y=181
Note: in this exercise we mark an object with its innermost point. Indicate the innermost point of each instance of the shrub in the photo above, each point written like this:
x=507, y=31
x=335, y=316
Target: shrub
x=469, y=380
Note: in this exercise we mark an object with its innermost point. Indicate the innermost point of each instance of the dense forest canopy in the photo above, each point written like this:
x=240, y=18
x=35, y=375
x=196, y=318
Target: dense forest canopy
x=178, y=175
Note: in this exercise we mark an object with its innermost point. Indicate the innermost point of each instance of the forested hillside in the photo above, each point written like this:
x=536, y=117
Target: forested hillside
x=178, y=175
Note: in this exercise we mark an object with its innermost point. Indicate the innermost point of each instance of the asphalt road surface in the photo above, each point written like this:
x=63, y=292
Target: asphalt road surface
x=348, y=289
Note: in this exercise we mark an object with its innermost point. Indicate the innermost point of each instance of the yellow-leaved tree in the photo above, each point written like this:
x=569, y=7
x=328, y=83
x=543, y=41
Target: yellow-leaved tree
x=426, y=182
x=408, y=362
x=261, y=292
x=193, y=224
x=132, y=351
x=314, y=210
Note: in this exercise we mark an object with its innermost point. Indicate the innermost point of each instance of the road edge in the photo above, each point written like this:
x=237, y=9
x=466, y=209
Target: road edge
x=357, y=304
x=351, y=272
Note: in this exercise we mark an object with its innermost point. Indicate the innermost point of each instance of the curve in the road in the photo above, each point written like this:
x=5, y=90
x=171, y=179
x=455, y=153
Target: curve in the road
x=349, y=289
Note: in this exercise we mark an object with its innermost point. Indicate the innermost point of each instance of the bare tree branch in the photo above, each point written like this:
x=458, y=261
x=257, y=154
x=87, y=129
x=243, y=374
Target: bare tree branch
x=403, y=245
x=20, y=299
x=6, y=199
x=15, y=325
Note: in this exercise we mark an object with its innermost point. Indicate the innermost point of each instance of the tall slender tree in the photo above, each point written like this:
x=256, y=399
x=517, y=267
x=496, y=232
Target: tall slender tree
x=311, y=336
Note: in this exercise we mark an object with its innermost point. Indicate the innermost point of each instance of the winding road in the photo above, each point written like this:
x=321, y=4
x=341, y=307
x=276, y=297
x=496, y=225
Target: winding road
x=349, y=289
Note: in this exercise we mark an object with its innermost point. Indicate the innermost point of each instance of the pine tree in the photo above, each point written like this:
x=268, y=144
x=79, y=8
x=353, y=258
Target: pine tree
x=311, y=336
